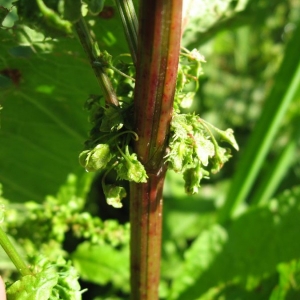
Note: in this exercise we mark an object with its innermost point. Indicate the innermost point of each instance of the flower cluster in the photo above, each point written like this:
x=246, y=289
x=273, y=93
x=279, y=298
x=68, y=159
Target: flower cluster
x=189, y=71
x=109, y=148
x=194, y=151
x=193, y=148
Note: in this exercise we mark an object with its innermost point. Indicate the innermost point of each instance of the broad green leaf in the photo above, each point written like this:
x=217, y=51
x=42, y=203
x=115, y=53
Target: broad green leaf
x=42, y=122
x=102, y=264
x=44, y=84
x=199, y=258
x=248, y=251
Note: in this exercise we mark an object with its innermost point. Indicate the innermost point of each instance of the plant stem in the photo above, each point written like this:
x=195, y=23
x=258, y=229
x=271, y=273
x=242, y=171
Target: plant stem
x=130, y=24
x=157, y=64
x=145, y=243
x=89, y=46
x=13, y=254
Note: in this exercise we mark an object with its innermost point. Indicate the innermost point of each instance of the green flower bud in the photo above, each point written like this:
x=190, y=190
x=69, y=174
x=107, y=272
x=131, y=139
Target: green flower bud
x=129, y=168
x=180, y=156
x=114, y=195
x=96, y=159
x=228, y=136
x=204, y=148
x=192, y=178
x=221, y=157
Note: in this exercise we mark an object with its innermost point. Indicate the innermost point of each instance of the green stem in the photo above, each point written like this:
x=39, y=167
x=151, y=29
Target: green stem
x=157, y=65
x=130, y=24
x=13, y=254
x=89, y=46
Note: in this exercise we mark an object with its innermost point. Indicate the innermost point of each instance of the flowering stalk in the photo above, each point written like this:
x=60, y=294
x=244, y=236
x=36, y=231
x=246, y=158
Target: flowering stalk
x=157, y=63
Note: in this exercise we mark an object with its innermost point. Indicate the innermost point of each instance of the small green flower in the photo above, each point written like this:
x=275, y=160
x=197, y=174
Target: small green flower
x=221, y=157
x=114, y=195
x=129, y=168
x=192, y=178
x=228, y=136
x=95, y=159
x=204, y=148
x=112, y=119
x=180, y=156
x=180, y=126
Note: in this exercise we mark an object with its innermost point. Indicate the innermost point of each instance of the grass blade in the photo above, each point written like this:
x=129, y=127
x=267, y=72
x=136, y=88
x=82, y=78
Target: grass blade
x=260, y=142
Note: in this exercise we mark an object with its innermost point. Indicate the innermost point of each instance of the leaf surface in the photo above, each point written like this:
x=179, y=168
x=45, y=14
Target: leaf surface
x=102, y=264
x=246, y=252
x=44, y=84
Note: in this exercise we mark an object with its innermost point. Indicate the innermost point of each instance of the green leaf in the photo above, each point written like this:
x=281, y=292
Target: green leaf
x=192, y=178
x=129, y=168
x=102, y=264
x=53, y=281
x=235, y=253
x=198, y=258
x=32, y=287
x=204, y=15
x=43, y=124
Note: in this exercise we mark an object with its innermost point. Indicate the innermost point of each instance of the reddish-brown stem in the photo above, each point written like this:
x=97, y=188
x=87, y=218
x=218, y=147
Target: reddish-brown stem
x=146, y=229
x=157, y=63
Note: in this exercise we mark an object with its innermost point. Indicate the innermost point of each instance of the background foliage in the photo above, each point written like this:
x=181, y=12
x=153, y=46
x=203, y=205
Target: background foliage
x=251, y=83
